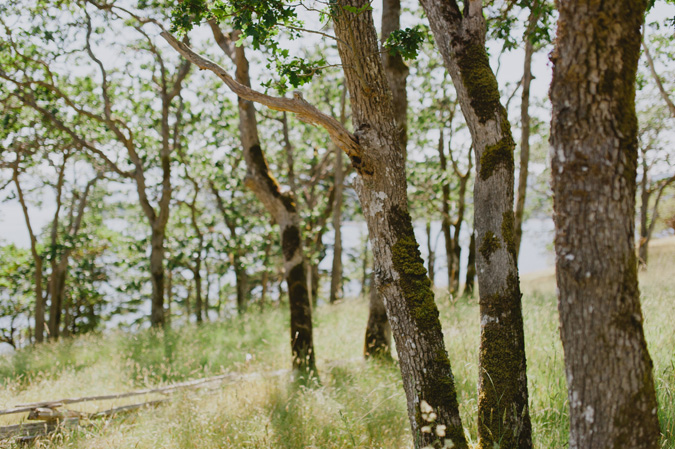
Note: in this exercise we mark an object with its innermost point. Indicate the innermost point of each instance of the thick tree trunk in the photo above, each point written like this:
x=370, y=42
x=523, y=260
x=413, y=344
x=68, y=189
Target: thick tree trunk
x=594, y=163
x=157, y=277
x=503, y=416
x=396, y=72
x=399, y=269
x=525, y=127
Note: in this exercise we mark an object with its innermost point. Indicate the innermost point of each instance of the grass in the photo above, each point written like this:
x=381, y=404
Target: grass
x=356, y=405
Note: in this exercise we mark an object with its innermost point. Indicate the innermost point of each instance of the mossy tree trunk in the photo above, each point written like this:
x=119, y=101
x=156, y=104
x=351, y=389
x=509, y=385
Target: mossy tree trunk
x=503, y=415
x=594, y=163
x=399, y=270
x=282, y=207
x=378, y=331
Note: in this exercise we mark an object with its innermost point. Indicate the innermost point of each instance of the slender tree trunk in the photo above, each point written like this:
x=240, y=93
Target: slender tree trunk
x=37, y=259
x=54, y=278
x=336, y=271
x=525, y=126
x=471, y=267
x=364, y=269
x=169, y=299
x=157, y=277
x=446, y=222
x=431, y=256
x=503, y=415
x=399, y=270
x=282, y=208
x=645, y=194
x=594, y=162
x=199, y=306
x=378, y=331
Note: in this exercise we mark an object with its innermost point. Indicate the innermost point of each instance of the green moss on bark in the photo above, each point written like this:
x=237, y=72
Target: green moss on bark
x=502, y=359
x=501, y=153
x=489, y=245
x=414, y=282
x=480, y=82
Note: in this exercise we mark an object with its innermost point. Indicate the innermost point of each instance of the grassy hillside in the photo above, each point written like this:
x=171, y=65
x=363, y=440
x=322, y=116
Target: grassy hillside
x=355, y=405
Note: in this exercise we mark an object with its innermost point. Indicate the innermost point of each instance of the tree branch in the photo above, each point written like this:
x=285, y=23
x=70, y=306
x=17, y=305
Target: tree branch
x=297, y=105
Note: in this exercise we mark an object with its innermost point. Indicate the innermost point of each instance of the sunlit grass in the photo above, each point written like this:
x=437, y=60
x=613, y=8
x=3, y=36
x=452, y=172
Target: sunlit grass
x=354, y=405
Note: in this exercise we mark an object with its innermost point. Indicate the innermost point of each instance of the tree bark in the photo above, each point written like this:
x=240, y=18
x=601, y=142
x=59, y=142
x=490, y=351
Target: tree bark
x=594, y=162
x=525, y=126
x=378, y=330
x=157, y=276
x=282, y=208
x=399, y=269
x=396, y=72
x=431, y=255
x=503, y=415
x=336, y=271
x=470, y=267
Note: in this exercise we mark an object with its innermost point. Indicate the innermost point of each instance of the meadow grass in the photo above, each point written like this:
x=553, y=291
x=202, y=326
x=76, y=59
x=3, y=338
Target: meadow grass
x=355, y=404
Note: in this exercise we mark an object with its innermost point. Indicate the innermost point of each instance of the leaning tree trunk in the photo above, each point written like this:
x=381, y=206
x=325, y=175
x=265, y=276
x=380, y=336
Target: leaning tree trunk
x=503, y=415
x=594, y=162
x=282, y=208
x=399, y=269
x=396, y=72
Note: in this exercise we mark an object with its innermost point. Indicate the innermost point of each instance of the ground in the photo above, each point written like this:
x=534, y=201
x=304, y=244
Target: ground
x=354, y=405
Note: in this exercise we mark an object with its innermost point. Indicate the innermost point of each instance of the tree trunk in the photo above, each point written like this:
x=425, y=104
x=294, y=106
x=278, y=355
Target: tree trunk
x=645, y=193
x=37, y=259
x=503, y=416
x=378, y=334
x=199, y=306
x=594, y=162
x=157, y=277
x=446, y=222
x=169, y=299
x=399, y=269
x=525, y=126
x=431, y=256
x=378, y=331
x=282, y=208
x=470, y=267
x=336, y=271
